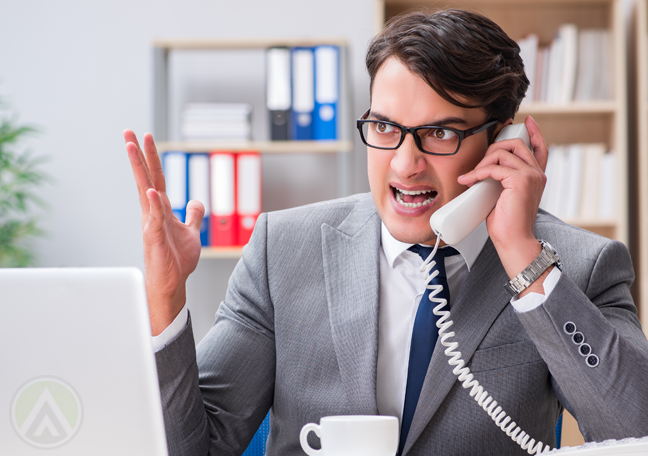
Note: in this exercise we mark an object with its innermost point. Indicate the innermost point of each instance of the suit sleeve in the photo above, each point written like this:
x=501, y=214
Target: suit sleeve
x=609, y=400
x=216, y=395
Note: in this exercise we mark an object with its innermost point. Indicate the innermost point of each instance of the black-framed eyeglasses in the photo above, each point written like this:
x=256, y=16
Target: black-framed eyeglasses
x=430, y=139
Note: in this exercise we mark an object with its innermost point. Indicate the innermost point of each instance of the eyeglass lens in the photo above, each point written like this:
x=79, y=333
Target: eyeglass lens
x=438, y=140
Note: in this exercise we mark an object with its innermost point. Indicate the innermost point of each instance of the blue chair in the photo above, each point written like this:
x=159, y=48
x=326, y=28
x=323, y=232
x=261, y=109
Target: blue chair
x=257, y=446
x=559, y=431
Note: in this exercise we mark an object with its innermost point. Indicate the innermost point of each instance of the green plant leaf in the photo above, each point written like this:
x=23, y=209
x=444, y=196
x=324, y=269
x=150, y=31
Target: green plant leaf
x=19, y=177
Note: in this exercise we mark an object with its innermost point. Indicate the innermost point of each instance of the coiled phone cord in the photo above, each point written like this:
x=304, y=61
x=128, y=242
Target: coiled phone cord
x=477, y=392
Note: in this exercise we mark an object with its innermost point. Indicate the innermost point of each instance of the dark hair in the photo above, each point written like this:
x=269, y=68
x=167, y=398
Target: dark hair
x=459, y=54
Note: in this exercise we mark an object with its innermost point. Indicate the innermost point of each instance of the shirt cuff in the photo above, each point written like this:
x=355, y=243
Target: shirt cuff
x=533, y=300
x=172, y=331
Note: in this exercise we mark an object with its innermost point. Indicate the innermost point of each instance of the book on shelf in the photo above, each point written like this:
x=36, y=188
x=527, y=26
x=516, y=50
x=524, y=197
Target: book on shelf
x=224, y=226
x=216, y=121
x=327, y=92
x=303, y=86
x=278, y=92
x=198, y=187
x=580, y=182
x=174, y=167
x=575, y=66
x=608, y=184
x=248, y=193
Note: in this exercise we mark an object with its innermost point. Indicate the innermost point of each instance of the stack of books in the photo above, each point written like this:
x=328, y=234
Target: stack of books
x=216, y=122
x=575, y=66
x=580, y=182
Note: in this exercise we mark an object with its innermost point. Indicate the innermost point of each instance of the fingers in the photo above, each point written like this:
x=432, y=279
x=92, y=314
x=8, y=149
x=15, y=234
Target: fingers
x=503, y=171
x=540, y=150
x=150, y=160
x=515, y=147
x=195, y=214
x=129, y=136
x=498, y=164
x=154, y=163
x=155, y=228
x=142, y=177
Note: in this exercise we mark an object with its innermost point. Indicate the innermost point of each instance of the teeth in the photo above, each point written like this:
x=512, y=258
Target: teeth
x=414, y=192
x=399, y=197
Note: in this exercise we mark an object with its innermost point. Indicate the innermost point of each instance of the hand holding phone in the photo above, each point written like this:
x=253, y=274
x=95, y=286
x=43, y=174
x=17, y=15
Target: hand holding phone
x=462, y=215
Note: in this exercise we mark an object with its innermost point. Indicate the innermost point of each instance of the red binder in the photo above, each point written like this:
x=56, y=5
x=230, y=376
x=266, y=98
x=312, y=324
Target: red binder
x=248, y=193
x=224, y=221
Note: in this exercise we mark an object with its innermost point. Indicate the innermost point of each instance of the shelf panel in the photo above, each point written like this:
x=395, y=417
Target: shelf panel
x=411, y=3
x=592, y=223
x=247, y=43
x=266, y=147
x=582, y=107
x=221, y=252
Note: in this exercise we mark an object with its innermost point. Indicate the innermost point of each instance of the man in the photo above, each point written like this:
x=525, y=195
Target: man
x=322, y=308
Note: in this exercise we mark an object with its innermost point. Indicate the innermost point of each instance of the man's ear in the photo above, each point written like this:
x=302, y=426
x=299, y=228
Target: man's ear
x=498, y=128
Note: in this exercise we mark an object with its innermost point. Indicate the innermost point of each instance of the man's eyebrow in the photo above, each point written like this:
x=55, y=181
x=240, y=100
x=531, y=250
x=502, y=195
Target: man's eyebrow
x=439, y=122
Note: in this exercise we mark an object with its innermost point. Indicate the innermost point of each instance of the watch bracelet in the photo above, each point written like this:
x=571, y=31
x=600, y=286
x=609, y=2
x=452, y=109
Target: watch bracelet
x=531, y=273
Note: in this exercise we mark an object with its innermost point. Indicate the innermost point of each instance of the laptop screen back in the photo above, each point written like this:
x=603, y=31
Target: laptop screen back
x=79, y=373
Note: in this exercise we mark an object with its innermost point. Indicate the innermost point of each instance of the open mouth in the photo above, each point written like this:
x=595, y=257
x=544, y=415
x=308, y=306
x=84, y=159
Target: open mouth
x=414, y=198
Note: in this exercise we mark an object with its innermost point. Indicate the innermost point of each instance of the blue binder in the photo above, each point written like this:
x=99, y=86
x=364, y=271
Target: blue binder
x=327, y=92
x=174, y=166
x=198, y=168
x=303, y=88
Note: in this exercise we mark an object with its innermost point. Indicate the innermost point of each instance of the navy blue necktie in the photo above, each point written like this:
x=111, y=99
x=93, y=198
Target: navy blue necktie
x=424, y=337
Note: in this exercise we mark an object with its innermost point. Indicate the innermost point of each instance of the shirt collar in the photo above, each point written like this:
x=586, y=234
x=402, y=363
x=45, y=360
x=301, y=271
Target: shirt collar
x=469, y=247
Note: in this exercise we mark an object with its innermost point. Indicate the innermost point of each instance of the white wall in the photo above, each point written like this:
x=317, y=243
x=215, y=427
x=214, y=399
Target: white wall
x=81, y=71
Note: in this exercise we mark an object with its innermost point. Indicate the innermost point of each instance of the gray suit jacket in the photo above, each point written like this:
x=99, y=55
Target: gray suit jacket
x=298, y=332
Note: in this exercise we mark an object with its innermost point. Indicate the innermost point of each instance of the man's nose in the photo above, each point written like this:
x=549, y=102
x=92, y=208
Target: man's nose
x=408, y=160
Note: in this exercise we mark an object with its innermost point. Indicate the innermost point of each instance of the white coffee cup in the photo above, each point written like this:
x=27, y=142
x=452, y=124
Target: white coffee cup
x=353, y=435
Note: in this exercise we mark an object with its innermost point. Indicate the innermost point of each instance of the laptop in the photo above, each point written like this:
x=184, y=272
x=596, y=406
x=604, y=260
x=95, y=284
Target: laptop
x=78, y=371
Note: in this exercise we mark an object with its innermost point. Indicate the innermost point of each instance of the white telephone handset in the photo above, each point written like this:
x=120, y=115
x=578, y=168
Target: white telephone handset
x=459, y=217
x=452, y=223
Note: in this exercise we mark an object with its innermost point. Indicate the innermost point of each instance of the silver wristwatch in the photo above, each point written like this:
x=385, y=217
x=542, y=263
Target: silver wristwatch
x=542, y=262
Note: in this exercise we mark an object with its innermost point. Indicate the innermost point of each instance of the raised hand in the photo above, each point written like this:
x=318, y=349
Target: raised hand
x=171, y=248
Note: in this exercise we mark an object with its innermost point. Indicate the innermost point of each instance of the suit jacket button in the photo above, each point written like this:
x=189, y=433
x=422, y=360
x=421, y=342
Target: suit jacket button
x=578, y=338
x=585, y=349
x=592, y=361
x=569, y=328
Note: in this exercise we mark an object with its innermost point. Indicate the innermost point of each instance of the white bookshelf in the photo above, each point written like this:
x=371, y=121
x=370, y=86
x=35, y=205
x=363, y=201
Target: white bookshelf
x=264, y=147
x=342, y=148
x=638, y=37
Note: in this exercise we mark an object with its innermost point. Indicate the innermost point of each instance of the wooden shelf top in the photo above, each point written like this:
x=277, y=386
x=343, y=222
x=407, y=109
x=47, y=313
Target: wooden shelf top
x=244, y=43
x=580, y=107
x=592, y=223
x=464, y=3
x=272, y=147
x=221, y=252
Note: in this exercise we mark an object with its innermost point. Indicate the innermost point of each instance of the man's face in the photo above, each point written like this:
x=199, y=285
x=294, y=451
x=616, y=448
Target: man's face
x=403, y=97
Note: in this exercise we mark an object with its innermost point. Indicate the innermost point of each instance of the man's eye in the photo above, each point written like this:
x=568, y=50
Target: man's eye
x=384, y=128
x=442, y=134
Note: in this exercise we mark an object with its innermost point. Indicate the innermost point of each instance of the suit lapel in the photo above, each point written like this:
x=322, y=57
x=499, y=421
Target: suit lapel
x=481, y=300
x=351, y=274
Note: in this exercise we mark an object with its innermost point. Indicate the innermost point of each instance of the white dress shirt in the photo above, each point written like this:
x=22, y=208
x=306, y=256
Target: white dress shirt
x=401, y=288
